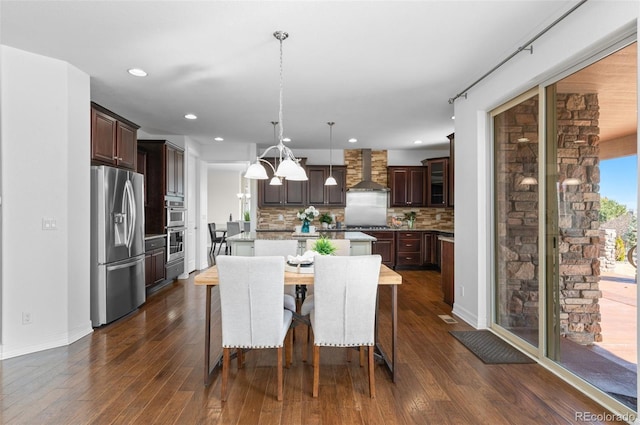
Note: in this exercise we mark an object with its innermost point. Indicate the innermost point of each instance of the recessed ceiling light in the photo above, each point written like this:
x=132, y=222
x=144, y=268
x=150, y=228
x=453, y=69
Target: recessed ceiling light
x=453, y=117
x=191, y=117
x=417, y=142
x=218, y=139
x=137, y=72
x=286, y=139
x=353, y=140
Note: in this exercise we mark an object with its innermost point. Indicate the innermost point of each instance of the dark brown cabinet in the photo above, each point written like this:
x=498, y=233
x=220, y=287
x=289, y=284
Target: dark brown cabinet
x=409, y=248
x=446, y=273
x=154, y=260
x=318, y=193
x=113, y=139
x=175, y=171
x=450, y=179
x=407, y=186
x=164, y=180
x=437, y=176
x=290, y=193
x=430, y=250
x=384, y=246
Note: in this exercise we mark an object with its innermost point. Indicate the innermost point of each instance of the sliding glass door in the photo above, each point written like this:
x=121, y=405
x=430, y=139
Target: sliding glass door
x=515, y=128
x=565, y=159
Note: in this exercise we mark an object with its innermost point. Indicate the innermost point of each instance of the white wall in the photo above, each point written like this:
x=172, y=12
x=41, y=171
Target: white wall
x=222, y=189
x=45, y=174
x=574, y=39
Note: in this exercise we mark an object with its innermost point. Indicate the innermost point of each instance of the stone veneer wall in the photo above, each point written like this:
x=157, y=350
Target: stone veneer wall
x=578, y=207
x=440, y=218
x=578, y=211
x=607, y=249
x=517, y=271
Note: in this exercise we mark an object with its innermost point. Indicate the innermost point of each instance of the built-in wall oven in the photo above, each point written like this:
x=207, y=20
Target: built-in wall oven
x=176, y=214
x=176, y=229
x=175, y=243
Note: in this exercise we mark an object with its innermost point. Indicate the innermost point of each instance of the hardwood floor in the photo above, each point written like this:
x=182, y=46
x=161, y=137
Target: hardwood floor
x=148, y=368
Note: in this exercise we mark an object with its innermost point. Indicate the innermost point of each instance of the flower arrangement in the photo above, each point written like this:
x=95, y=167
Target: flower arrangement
x=411, y=218
x=308, y=214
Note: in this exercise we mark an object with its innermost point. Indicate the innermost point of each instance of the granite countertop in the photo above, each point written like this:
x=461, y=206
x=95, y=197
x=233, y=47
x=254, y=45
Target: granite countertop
x=440, y=230
x=288, y=234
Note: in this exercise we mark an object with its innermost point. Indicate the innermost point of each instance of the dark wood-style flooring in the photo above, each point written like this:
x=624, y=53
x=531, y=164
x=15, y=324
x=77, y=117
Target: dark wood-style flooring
x=148, y=368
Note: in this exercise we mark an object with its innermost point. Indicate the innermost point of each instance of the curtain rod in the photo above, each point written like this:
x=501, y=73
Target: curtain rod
x=523, y=47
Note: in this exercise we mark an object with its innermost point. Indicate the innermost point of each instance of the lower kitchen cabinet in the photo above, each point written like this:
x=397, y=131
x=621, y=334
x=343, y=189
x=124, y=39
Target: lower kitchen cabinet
x=384, y=246
x=409, y=248
x=154, y=261
x=430, y=249
x=447, y=266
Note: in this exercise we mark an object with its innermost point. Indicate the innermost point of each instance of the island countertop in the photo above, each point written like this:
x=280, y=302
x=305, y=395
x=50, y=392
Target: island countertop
x=280, y=235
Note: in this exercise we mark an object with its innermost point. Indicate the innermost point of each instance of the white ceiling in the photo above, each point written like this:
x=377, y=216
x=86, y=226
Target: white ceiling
x=382, y=70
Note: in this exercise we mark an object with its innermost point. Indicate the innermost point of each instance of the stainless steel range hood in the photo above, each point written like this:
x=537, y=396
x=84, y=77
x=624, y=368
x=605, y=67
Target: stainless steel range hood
x=367, y=185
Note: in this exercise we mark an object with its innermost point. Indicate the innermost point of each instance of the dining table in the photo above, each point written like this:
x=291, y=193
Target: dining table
x=387, y=277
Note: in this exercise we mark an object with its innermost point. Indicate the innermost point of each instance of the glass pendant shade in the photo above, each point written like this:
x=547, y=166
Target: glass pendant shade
x=330, y=181
x=275, y=181
x=256, y=171
x=286, y=168
x=298, y=174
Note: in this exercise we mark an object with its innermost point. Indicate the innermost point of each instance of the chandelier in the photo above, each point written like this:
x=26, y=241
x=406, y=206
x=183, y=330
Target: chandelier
x=288, y=166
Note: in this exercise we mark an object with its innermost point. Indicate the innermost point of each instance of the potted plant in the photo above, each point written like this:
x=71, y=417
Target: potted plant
x=323, y=246
x=411, y=218
x=326, y=219
x=247, y=216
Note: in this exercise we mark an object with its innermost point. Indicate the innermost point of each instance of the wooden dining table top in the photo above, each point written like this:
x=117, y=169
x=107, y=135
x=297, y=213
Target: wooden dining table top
x=210, y=277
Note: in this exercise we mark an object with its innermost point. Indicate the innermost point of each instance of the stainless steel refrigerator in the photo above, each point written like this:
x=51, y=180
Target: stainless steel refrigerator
x=117, y=243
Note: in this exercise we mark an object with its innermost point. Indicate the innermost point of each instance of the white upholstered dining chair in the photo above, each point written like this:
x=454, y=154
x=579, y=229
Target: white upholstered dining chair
x=344, y=307
x=251, y=290
x=283, y=248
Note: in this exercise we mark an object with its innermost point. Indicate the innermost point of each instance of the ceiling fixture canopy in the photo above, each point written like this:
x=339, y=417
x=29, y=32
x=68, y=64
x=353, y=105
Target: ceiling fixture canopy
x=288, y=166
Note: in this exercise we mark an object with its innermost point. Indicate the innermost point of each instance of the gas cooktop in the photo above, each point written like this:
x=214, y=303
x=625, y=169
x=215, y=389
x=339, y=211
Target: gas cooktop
x=368, y=227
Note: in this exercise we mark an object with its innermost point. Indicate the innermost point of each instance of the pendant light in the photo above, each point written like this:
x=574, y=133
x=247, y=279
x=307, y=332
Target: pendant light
x=330, y=180
x=289, y=167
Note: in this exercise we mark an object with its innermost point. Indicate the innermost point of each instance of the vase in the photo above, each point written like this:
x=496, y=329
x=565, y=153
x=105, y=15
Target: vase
x=410, y=224
x=305, y=227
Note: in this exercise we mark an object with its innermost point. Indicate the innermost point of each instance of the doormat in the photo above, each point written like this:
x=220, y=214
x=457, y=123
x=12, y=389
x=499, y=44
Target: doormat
x=490, y=348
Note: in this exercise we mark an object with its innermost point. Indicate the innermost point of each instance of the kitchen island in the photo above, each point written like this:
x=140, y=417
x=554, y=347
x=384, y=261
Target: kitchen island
x=242, y=244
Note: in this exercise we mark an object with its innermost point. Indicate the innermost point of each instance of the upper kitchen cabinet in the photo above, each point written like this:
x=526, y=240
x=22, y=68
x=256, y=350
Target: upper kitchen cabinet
x=451, y=168
x=289, y=193
x=407, y=186
x=437, y=190
x=175, y=171
x=113, y=139
x=319, y=194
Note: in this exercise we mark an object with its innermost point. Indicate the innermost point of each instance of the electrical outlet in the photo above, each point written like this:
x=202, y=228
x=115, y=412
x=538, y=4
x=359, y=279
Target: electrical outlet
x=26, y=318
x=49, y=224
